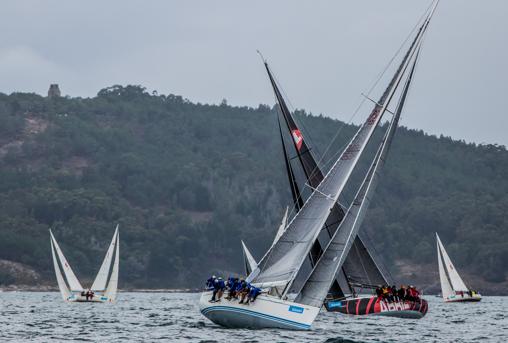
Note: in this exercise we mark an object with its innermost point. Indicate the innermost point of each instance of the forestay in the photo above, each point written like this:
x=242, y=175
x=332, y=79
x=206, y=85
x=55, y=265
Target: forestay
x=316, y=287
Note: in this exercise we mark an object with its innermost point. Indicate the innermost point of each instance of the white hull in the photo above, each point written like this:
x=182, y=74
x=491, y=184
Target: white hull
x=265, y=312
x=97, y=298
x=465, y=298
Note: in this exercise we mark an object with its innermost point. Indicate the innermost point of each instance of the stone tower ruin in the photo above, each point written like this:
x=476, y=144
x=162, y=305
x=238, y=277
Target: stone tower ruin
x=54, y=91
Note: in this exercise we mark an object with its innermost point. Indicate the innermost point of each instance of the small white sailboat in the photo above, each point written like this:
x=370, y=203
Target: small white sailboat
x=453, y=288
x=105, y=285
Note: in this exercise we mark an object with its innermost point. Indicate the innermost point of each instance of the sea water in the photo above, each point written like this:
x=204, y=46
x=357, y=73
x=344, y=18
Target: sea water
x=151, y=317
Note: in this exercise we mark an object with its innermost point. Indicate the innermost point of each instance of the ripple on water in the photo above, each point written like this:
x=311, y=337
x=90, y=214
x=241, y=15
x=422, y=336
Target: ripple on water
x=43, y=317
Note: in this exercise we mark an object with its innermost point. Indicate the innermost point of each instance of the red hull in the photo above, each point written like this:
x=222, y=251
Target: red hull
x=375, y=306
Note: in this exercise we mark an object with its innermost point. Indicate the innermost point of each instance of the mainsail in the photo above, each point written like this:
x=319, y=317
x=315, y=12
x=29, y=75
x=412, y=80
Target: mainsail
x=101, y=279
x=316, y=287
x=71, y=278
x=448, y=275
x=112, y=288
x=64, y=290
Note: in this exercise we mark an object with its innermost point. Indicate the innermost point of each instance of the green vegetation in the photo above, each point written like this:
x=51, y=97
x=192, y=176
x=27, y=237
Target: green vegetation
x=187, y=181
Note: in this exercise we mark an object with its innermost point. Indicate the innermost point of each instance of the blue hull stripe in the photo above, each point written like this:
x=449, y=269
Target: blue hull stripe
x=255, y=314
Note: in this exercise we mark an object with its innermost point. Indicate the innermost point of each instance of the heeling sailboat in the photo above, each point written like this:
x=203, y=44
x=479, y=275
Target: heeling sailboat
x=105, y=285
x=453, y=288
x=361, y=271
x=334, y=256
x=282, y=262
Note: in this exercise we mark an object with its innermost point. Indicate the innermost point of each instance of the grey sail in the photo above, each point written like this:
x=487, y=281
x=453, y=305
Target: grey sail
x=316, y=287
x=361, y=269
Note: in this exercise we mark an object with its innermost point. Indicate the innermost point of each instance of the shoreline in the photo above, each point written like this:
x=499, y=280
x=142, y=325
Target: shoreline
x=42, y=289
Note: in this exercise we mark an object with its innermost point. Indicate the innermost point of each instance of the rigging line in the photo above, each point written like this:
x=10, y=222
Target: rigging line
x=390, y=62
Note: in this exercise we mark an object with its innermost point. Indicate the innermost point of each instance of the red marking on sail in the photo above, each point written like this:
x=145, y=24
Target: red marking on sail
x=298, y=138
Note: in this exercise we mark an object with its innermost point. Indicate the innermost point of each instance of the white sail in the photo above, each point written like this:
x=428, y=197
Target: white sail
x=111, y=290
x=451, y=274
x=446, y=286
x=71, y=278
x=64, y=290
x=282, y=227
x=249, y=261
x=101, y=279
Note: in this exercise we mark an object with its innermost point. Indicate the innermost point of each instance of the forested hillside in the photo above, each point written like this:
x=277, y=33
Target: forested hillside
x=186, y=182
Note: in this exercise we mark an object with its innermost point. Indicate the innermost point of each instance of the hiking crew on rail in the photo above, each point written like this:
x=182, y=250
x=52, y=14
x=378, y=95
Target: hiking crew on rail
x=238, y=289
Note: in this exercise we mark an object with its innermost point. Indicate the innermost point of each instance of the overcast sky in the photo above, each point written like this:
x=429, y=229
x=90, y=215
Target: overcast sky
x=324, y=53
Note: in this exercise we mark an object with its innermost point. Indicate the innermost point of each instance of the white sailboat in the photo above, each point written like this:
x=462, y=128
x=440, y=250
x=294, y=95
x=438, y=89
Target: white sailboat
x=453, y=288
x=105, y=285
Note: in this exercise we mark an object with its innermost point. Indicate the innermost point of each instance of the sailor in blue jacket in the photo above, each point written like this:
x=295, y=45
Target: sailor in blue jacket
x=253, y=294
x=221, y=286
x=210, y=282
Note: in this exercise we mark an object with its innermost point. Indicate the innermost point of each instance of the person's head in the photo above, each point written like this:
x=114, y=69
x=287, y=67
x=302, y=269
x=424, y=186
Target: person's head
x=214, y=277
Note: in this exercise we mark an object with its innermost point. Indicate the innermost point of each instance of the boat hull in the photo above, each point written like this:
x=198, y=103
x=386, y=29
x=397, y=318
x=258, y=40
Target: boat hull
x=375, y=306
x=78, y=298
x=265, y=312
x=462, y=299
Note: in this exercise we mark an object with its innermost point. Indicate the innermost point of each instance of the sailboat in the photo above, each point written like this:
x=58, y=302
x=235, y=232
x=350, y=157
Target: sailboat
x=105, y=285
x=453, y=288
x=276, y=272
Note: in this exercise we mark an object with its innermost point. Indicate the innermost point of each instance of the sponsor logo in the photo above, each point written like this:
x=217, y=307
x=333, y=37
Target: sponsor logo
x=295, y=309
x=334, y=304
x=298, y=138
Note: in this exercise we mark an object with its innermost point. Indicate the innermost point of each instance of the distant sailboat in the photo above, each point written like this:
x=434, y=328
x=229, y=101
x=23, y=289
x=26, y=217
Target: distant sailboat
x=105, y=285
x=453, y=288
